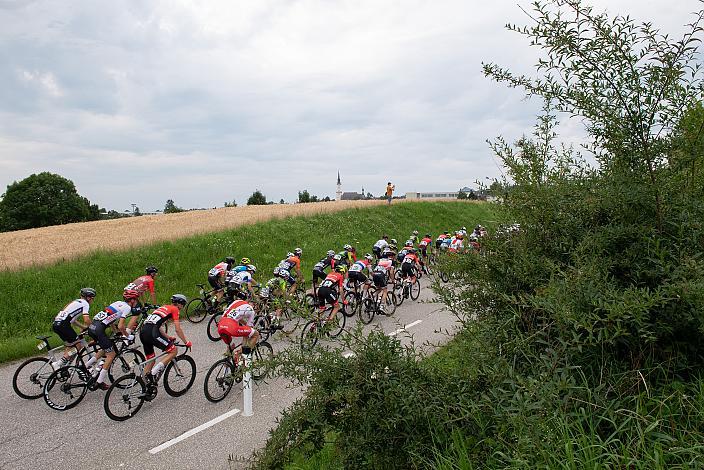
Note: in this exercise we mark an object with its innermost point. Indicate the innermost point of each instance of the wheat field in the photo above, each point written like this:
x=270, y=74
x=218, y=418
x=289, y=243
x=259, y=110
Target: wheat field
x=47, y=245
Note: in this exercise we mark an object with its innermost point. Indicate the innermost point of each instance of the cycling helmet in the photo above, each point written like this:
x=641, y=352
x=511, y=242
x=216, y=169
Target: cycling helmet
x=409, y=243
x=368, y=257
x=245, y=261
x=415, y=232
x=264, y=292
x=393, y=247
x=277, y=270
x=87, y=292
x=341, y=268
x=130, y=294
x=230, y=260
x=251, y=267
x=393, y=242
x=347, y=247
x=427, y=235
x=151, y=270
x=179, y=299
x=298, y=252
x=331, y=253
x=289, y=254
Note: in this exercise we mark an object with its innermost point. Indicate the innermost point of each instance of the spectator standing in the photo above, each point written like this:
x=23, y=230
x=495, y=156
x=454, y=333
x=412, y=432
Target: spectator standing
x=389, y=192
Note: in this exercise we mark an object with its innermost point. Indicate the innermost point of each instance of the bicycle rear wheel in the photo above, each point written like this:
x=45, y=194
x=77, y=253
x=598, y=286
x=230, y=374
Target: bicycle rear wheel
x=262, y=354
x=123, y=363
x=289, y=320
x=125, y=397
x=335, y=325
x=415, y=290
x=30, y=376
x=66, y=387
x=179, y=375
x=390, y=304
x=366, y=315
x=213, y=334
x=398, y=290
x=353, y=304
x=219, y=380
x=310, y=335
x=196, y=310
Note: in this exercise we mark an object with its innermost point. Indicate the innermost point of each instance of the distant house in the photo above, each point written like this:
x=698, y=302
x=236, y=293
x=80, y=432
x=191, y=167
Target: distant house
x=351, y=196
x=432, y=195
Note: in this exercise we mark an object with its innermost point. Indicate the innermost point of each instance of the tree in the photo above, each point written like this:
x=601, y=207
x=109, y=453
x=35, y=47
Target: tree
x=461, y=195
x=256, y=199
x=41, y=200
x=327, y=199
x=171, y=207
x=282, y=201
x=304, y=196
x=231, y=204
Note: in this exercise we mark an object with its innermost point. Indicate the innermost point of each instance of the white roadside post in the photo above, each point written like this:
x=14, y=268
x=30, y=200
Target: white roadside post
x=247, y=386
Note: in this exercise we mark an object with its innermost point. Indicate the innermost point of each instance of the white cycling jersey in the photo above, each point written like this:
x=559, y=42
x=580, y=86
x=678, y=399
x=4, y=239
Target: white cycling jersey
x=113, y=312
x=73, y=310
x=381, y=244
x=240, y=310
x=242, y=278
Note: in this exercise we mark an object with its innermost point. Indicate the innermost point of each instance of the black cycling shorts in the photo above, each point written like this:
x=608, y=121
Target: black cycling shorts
x=357, y=276
x=379, y=279
x=151, y=336
x=408, y=269
x=319, y=274
x=97, y=332
x=328, y=294
x=438, y=243
x=377, y=251
x=215, y=282
x=424, y=250
x=65, y=332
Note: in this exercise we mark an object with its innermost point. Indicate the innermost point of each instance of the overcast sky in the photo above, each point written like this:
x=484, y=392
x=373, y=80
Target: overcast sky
x=203, y=102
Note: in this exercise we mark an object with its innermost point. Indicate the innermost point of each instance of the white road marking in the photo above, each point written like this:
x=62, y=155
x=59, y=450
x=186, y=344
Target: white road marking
x=394, y=333
x=193, y=431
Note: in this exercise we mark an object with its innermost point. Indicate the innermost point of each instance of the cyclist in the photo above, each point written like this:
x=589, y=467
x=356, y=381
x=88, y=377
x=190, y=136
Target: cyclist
x=236, y=322
x=409, y=266
x=330, y=288
x=274, y=291
x=446, y=242
x=238, y=269
x=407, y=247
x=457, y=243
x=319, y=269
x=152, y=335
x=142, y=284
x=474, y=242
x=283, y=270
x=356, y=271
x=414, y=236
x=116, y=311
x=63, y=323
x=383, y=271
x=243, y=281
x=379, y=246
x=217, y=275
x=347, y=256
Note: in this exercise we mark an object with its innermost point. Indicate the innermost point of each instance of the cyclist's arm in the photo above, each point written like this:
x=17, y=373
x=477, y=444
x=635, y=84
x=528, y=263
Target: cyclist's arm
x=179, y=330
x=85, y=323
x=121, y=326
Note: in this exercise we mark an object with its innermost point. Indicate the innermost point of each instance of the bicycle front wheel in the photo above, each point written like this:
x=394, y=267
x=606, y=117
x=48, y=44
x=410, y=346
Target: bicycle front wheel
x=366, y=315
x=335, y=325
x=179, y=375
x=263, y=326
x=66, y=387
x=290, y=319
x=352, y=305
x=125, y=397
x=124, y=362
x=196, y=310
x=30, y=376
x=213, y=334
x=263, y=354
x=219, y=380
x=390, y=305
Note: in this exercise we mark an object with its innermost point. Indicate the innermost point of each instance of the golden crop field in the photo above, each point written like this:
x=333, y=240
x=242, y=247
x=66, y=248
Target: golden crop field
x=47, y=245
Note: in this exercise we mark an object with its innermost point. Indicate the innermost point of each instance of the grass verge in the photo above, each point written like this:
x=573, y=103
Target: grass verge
x=32, y=297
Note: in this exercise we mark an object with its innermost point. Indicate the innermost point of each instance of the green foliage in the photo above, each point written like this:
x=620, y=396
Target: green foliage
x=171, y=207
x=304, y=196
x=41, y=200
x=231, y=204
x=32, y=297
x=462, y=195
x=256, y=199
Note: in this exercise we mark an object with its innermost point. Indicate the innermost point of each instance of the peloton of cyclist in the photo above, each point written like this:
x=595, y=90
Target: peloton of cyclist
x=217, y=275
x=236, y=322
x=330, y=288
x=283, y=270
x=71, y=314
x=115, y=312
x=152, y=335
x=320, y=267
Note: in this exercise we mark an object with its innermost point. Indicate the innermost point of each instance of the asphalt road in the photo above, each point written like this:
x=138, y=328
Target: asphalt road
x=177, y=433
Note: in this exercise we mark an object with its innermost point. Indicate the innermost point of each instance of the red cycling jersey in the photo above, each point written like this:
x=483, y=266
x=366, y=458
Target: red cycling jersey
x=426, y=241
x=142, y=284
x=161, y=315
x=334, y=279
x=219, y=269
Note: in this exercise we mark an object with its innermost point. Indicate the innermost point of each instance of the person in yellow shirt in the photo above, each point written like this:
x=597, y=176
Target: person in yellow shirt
x=389, y=192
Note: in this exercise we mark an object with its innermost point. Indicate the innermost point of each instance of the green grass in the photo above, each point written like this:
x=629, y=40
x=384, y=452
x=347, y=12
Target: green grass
x=32, y=297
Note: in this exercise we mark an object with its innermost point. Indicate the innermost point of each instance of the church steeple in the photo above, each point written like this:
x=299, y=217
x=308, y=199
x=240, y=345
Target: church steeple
x=339, y=187
x=338, y=179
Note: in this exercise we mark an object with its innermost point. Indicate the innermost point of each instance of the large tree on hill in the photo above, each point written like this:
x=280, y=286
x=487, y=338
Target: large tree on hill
x=256, y=199
x=171, y=207
x=41, y=200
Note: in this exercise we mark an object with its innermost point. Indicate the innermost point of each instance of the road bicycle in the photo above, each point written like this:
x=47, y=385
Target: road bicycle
x=199, y=307
x=68, y=385
x=29, y=378
x=128, y=393
x=230, y=370
x=354, y=297
x=404, y=288
x=372, y=304
x=324, y=324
